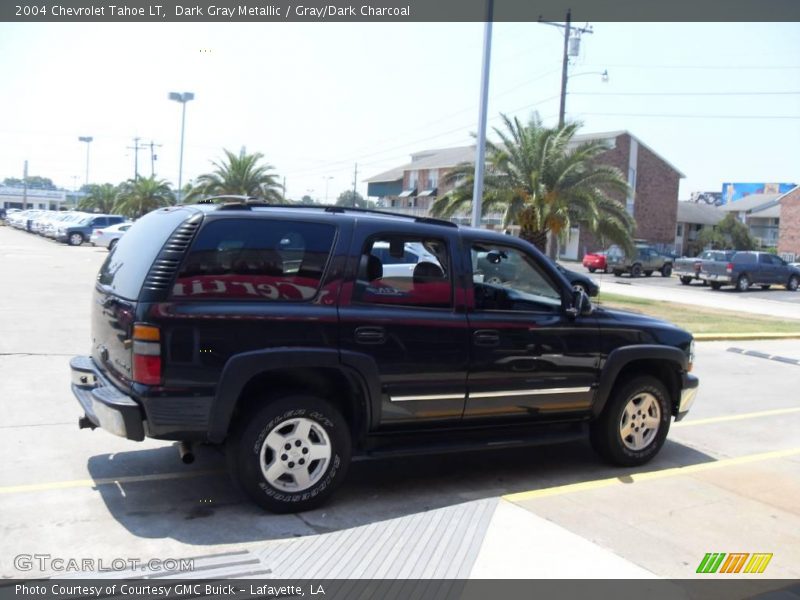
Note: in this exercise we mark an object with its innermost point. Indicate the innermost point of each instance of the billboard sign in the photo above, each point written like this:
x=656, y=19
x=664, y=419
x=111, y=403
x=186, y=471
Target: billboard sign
x=731, y=192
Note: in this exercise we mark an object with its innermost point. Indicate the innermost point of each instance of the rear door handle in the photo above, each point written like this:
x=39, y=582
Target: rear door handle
x=370, y=335
x=486, y=337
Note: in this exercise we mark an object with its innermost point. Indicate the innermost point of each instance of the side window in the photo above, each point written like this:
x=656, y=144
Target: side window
x=404, y=270
x=255, y=259
x=507, y=279
x=98, y=222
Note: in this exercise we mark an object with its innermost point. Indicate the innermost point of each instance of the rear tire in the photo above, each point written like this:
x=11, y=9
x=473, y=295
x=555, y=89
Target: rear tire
x=666, y=270
x=290, y=454
x=686, y=280
x=634, y=423
x=715, y=285
x=648, y=273
x=743, y=283
x=617, y=273
x=591, y=269
x=111, y=244
x=636, y=270
x=793, y=283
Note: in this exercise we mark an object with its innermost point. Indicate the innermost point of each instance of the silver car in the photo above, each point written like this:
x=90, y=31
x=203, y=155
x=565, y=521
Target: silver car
x=109, y=236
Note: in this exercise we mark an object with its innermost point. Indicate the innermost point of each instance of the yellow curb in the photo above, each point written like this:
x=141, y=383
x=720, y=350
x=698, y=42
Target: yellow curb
x=710, y=337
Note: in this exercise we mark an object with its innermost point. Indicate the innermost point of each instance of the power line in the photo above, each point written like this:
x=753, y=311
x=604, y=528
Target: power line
x=760, y=93
x=720, y=67
x=777, y=117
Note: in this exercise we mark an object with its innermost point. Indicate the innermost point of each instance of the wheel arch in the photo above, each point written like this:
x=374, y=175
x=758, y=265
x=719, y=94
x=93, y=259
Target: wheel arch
x=254, y=377
x=662, y=362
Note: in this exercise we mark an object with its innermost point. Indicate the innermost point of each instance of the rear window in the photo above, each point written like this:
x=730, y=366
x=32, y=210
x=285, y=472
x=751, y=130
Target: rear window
x=127, y=265
x=255, y=259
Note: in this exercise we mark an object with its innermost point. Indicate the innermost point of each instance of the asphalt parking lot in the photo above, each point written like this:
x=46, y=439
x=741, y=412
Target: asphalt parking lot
x=727, y=480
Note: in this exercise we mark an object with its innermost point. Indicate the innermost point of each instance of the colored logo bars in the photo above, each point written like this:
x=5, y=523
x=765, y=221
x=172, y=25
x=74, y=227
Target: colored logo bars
x=735, y=562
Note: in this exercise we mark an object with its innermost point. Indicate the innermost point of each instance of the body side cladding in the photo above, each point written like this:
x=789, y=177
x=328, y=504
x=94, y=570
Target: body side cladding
x=619, y=358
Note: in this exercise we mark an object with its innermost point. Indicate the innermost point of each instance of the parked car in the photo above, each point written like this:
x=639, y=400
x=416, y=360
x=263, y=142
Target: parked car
x=645, y=261
x=745, y=269
x=402, y=259
x=206, y=329
x=109, y=236
x=51, y=228
x=595, y=261
x=78, y=232
x=688, y=269
x=503, y=269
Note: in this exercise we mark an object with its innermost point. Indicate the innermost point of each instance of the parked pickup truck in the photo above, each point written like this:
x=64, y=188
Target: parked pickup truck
x=645, y=261
x=688, y=269
x=750, y=268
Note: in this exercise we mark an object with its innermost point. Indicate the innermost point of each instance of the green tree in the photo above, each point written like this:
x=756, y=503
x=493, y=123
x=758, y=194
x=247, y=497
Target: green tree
x=351, y=198
x=729, y=234
x=241, y=175
x=34, y=182
x=140, y=196
x=307, y=200
x=99, y=198
x=545, y=183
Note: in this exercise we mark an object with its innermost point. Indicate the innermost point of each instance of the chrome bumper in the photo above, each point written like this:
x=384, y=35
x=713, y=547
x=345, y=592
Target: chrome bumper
x=688, y=394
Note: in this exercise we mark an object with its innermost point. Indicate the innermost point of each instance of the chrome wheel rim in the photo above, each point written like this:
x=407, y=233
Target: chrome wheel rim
x=640, y=421
x=76, y=239
x=295, y=455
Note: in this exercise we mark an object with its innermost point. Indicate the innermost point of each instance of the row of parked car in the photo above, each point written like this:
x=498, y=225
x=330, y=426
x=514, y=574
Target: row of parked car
x=715, y=268
x=70, y=227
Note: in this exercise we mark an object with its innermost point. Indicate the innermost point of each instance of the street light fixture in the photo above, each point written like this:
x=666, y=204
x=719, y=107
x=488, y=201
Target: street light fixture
x=183, y=99
x=88, y=139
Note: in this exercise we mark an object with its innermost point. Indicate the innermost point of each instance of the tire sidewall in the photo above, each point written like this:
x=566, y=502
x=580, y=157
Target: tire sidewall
x=606, y=436
x=793, y=282
x=742, y=279
x=245, y=448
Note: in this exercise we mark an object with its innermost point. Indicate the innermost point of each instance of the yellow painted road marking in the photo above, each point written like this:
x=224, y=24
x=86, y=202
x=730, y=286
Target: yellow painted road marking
x=76, y=483
x=649, y=475
x=741, y=417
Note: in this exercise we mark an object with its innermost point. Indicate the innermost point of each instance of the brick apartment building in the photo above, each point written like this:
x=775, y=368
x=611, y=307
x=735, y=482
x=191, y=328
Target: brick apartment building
x=789, y=227
x=413, y=187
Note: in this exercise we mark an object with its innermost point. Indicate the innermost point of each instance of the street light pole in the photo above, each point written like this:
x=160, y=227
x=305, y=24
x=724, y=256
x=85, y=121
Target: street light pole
x=183, y=99
x=480, y=151
x=88, y=139
x=327, y=181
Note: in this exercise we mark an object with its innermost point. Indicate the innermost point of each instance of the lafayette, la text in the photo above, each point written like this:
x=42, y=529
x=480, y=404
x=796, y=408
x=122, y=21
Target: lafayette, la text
x=146, y=589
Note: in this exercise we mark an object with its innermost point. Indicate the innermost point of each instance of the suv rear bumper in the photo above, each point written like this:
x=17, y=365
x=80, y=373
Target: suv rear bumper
x=103, y=404
x=688, y=394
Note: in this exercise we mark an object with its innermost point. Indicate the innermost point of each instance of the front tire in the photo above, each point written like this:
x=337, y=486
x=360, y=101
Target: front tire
x=686, y=280
x=666, y=270
x=75, y=239
x=634, y=423
x=793, y=283
x=636, y=270
x=290, y=454
x=111, y=244
x=591, y=269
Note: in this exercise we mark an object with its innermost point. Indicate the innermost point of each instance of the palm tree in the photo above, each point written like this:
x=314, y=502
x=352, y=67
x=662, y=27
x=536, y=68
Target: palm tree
x=100, y=198
x=545, y=183
x=139, y=196
x=239, y=175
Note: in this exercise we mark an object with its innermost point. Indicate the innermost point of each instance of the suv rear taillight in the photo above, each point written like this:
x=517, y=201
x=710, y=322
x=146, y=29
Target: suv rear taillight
x=729, y=268
x=146, y=354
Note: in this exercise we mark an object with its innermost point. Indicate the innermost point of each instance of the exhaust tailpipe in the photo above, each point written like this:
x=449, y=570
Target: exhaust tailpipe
x=185, y=450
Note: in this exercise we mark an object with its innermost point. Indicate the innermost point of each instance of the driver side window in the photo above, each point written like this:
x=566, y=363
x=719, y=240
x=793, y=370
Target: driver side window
x=505, y=278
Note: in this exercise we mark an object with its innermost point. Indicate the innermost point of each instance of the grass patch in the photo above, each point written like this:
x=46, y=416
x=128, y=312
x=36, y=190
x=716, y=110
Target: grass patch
x=700, y=319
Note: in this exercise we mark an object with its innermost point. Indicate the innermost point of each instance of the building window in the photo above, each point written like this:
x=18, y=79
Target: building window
x=433, y=179
x=679, y=232
x=413, y=179
x=632, y=192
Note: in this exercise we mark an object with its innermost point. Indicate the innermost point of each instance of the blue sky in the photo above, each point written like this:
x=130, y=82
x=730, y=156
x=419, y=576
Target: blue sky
x=720, y=101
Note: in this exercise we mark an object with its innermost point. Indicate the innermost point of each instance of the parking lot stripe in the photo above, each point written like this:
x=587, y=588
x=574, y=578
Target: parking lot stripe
x=741, y=417
x=649, y=475
x=76, y=483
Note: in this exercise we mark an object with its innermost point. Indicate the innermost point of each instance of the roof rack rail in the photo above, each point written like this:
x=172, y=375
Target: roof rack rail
x=246, y=203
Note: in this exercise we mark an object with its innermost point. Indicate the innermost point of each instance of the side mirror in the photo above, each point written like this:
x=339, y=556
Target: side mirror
x=581, y=304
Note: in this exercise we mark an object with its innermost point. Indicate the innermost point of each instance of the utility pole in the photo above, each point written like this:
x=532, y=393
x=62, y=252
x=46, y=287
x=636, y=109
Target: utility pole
x=355, y=179
x=153, y=157
x=284, y=188
x=25, y=186
x=136, y=147
x=568, y=29
x=480, y=150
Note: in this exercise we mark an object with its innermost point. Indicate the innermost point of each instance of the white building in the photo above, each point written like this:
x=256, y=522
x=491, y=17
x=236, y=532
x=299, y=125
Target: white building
x=15, y=197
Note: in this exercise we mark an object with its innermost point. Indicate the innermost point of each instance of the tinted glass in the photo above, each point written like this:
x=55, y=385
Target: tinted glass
x=255, y=259
x=742, y=258
x=507, y=279
x=405, y=271
x=128, y=263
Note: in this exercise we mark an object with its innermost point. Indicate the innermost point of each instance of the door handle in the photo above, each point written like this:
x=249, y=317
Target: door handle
x=486, y=337
x=370, y=335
